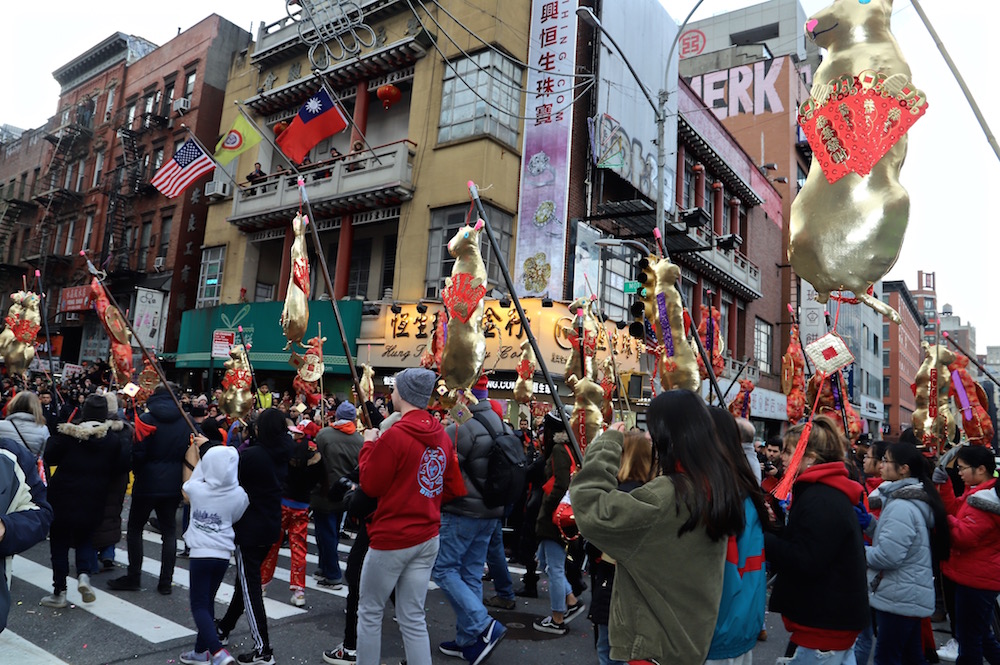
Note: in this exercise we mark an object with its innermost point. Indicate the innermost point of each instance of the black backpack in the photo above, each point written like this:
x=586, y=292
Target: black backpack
x=505, y=476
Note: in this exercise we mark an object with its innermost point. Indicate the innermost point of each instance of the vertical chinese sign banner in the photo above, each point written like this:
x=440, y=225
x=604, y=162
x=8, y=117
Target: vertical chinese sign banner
x=541, y=230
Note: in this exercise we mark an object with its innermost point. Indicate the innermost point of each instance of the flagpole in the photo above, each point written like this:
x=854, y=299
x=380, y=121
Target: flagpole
x=321, y=256
x=350, y=119
x=211, y=155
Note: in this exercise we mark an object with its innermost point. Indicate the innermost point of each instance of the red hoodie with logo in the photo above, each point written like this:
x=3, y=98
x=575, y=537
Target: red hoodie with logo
x=411, y=469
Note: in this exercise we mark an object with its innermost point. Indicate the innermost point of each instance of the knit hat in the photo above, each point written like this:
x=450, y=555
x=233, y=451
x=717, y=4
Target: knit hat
x=95, y=408
x=481, y=389
x=346, y=411
x=112, y=405
x=415, y=386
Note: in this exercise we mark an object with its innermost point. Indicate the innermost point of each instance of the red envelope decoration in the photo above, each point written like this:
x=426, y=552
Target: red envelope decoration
x=828, y=138
x=461, y=296
x=300, y=273
x=829, y=353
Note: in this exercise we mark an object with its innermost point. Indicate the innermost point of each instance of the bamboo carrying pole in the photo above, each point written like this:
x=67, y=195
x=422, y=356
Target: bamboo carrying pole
x=153, y=362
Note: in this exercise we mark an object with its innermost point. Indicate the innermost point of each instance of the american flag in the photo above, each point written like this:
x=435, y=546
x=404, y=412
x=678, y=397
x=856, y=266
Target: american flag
x=187, y=165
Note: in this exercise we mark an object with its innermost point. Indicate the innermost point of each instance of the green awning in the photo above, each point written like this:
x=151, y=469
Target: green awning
x=262, y=329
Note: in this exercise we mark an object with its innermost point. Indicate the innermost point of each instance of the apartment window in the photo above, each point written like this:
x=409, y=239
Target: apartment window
x=464, y=113
x=109, y=106
x=147, y=233
x=130, y=115
x=210, y=279
x=885, y=359
x=689, y=181
x=79, y=175
x=70, y=171
x=70, y=232
x=874, y=386
x=98, y=168
x=168, y=99
x=157, y=159
x=166, y=226
x=886, y=382
x=724, y=323
x=150, y=103
x=709, y=200
x=263, y=292
x=388, y=263
x=445, y=223
x=762, y=331
x=87, y=231
x=361, y=258
x=189, y=80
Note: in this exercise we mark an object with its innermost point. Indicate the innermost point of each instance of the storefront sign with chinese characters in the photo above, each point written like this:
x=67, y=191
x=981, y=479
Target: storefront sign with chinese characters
x=408, y=335
x=541, y=234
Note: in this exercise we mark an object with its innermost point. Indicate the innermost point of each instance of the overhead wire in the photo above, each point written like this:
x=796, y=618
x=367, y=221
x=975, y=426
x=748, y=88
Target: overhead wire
x=493, y=106
x=587, y=77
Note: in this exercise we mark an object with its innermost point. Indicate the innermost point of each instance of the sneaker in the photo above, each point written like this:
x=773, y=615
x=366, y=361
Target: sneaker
x=547, y=625
x=223, y=657
x=327, y=583
x=572, y=611
x=500, y=603
x=164, y=588
x=949, y=651
x=223, y=636
x=298, y=598
x=318, y=576
x=56, y=600
x=83, y=586
x=263, y=590
x=341, y=656
x=762, y=635
x=450, y=649
x=107, y=564
x=124, y=583
x=481, y=649
x=256, y=657
x=193, y=657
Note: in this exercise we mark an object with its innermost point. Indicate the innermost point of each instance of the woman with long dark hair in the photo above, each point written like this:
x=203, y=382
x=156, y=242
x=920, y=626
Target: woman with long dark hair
x=668, y=537
x=913, y=523
x=819, y=556
x=744, y=585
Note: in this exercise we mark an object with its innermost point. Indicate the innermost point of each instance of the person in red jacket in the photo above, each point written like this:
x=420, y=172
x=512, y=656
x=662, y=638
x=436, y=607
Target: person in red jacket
x=974, y=564
x=411, y=469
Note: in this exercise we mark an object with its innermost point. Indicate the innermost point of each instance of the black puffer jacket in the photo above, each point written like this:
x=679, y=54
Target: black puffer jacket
x=474, y=445
x=262, y=473
x=87, y=456
x=158, y=458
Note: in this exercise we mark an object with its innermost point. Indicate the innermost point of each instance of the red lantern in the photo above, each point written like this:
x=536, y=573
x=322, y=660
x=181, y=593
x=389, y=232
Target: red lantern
x=279, y=127
x=389, y=95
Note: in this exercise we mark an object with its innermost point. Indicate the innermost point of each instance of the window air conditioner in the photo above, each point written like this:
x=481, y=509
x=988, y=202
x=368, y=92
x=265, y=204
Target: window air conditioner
x=158, y=263
x=216, y=188
x=181, y=105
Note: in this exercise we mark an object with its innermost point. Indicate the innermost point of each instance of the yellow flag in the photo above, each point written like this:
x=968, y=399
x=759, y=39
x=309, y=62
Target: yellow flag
x=239, y=139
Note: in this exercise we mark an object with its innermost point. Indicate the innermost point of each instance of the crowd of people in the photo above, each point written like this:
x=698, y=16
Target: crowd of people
x=676, y=528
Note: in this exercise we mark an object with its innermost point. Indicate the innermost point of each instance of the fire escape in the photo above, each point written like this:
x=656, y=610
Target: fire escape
x=12, y=208
x=58, y=192
x=122, y=184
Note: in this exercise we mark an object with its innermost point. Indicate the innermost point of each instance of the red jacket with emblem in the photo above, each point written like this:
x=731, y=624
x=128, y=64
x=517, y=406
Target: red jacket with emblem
x=975, y=536
x=411, y=468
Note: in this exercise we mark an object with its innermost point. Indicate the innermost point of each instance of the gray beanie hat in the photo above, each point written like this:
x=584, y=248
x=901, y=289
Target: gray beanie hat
x=415, y=386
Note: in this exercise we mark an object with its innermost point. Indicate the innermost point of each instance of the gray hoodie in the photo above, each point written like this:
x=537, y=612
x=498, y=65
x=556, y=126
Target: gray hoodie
x=217, y=501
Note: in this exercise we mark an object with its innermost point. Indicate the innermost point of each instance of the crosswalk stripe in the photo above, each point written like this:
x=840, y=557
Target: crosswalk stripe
x=182, y=578
x=16, y=649
x=147, y=625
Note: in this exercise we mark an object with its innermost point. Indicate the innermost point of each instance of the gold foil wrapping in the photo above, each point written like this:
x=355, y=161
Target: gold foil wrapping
x=17, y=341
x=933, y=420
x=587, y=420
x=295, y=315
x=237, y=385
x=675, y=361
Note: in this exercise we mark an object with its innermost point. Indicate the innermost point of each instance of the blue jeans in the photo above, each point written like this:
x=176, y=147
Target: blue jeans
x=805, y=656
x=898, y=640
x=459, y=572
x=206, y=577
x=496, y=562
x=552, y=559
x=863, y=646
x=604, y=647
x=973, y=616
x=327, y=542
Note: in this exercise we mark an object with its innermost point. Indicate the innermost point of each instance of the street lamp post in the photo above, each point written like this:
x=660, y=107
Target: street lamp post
x=587, y=15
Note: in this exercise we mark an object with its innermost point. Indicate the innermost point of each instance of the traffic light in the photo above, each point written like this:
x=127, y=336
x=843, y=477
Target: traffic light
x=644, y=308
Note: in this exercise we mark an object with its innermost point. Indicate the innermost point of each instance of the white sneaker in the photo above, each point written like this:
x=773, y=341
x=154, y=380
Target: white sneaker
x=56, y=600
x=83, y=586
x=949, y=651
x=298, y=598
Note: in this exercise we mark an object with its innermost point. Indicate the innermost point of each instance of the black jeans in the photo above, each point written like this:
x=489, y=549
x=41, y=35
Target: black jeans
x=166, y=513
x=898, y=640
x=63, y=536
x=353, y=578
x=250, y=599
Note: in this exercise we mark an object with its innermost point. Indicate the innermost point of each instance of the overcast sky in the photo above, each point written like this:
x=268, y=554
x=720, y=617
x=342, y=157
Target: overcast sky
x=950, y=171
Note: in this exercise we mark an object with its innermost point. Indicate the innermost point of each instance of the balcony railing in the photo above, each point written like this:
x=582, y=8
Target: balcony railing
x=731, y=262
x=360, y=181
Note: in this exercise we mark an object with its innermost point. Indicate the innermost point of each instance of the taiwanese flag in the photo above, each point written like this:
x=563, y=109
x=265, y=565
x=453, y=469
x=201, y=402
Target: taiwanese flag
x=318, y=119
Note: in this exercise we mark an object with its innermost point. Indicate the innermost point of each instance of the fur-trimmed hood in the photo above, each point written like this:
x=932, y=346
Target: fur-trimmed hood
x=985, y=500
x=90, y=429
x=906, y=488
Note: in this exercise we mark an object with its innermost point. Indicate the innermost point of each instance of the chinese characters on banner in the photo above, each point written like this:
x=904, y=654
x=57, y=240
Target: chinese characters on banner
x=541, y=233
